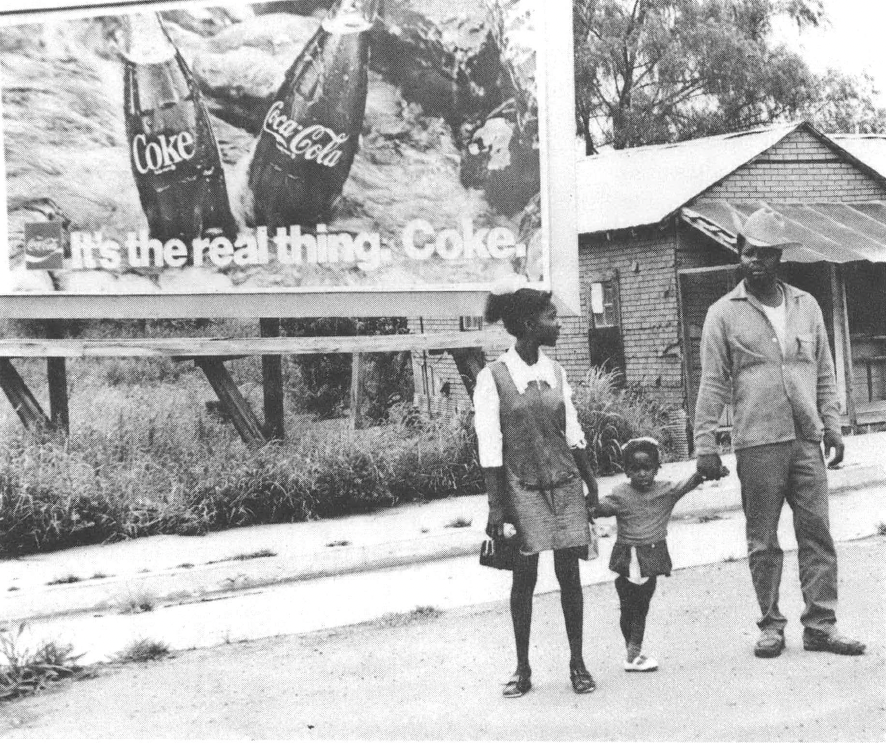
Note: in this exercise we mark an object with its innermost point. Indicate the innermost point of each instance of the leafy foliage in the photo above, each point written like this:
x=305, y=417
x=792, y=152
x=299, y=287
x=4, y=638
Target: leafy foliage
x=325, y=379
x=611, y=415
x=25, y=672
x=654, y=71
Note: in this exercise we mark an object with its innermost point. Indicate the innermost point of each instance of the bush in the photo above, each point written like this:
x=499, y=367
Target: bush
x=611, y=415
x=324, y=380
x=152, y=472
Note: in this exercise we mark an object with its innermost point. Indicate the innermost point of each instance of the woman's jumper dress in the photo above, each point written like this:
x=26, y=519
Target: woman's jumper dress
x=545, y=497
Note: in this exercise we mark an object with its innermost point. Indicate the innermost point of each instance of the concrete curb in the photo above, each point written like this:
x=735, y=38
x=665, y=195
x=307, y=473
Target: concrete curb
x=206, y=582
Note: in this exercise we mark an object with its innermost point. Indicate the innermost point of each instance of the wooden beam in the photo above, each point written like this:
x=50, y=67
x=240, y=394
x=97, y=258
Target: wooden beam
x=57, y=378
x=234, y=404
x=355, y=405
x=840, y=339
x=254, y=346
x=23, y=401
x=840, y=281
x=272, y=380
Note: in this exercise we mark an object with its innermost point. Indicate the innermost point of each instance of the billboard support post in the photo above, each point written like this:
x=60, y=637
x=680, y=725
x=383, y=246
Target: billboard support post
x=272, y=382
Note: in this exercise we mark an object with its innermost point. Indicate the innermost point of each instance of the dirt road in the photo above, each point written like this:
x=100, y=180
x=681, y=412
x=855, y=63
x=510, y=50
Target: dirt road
x=439, y=677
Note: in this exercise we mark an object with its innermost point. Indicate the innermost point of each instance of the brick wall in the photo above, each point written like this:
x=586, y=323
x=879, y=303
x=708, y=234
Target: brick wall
x=433, y=371
x=799, y=168
x=647, y=295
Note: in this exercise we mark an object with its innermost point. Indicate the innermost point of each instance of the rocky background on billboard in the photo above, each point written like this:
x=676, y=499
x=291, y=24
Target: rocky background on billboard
x=450, y=132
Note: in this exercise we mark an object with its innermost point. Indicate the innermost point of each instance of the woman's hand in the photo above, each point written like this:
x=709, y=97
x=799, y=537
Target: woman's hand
x=495, y=527
x=587, y=475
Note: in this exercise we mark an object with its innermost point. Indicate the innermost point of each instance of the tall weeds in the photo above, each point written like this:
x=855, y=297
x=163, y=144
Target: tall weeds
x=157, y=470
x=611, y=415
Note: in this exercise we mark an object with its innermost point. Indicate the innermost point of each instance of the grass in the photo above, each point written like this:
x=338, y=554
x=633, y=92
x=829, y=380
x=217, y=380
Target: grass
x=143, y=463
x=399, y=619
x=143, y=650
x=141, y=601
x=100, y=575
x=69, y=579
x=881, y=528
x=25, y=672
x=705, y=518
x=459, y=523
x=144, y=457
x=263, y=553
x=338, y=544
x=611, y=414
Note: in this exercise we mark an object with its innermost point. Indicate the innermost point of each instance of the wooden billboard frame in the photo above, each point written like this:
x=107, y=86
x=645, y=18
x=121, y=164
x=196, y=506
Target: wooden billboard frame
x=557, y=153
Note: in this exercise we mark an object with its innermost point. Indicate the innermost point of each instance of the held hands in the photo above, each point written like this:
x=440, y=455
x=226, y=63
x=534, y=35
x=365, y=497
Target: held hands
x=711, y=467
x=833, y=441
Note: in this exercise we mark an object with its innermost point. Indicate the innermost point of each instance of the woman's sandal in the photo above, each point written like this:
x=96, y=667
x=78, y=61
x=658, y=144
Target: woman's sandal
x=518, y=685
x=582, y=681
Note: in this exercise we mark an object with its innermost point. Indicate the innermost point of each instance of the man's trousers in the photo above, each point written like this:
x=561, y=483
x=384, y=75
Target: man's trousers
x=795, y=472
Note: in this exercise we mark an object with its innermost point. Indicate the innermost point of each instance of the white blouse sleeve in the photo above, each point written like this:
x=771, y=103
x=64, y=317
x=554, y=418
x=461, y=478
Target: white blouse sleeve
x=575, y=436
x=486, y=420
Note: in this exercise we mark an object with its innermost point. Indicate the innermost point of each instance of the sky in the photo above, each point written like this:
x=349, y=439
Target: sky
x=853, y=40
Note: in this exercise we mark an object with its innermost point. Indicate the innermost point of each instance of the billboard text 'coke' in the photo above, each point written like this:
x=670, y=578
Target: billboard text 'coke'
x=312, y=130
x=172, y=149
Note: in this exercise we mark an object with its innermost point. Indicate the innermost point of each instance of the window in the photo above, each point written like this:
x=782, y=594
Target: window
x=471, y=322
x=603, y=312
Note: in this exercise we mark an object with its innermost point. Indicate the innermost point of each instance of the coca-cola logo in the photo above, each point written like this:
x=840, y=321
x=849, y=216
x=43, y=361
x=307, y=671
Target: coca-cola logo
x=161, y=153
x=315, y=142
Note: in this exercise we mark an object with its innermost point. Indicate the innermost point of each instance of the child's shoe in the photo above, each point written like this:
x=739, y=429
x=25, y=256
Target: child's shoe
x=641, y=663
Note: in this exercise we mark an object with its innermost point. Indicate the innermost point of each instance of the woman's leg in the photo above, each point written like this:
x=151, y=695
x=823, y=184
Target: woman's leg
x=572, y=601
x=525, y=574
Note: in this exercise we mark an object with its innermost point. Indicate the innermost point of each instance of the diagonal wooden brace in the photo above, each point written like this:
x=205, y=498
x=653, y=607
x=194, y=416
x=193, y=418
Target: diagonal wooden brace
x=21, y=398
x=234, y=404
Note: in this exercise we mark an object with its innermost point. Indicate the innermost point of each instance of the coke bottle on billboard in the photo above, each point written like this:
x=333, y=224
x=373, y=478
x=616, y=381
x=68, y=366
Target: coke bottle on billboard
x=312, y=129
x=172, y=149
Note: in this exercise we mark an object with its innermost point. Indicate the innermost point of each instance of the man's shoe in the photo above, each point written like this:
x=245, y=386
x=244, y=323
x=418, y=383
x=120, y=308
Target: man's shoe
x=832, y=642
x=770, y=643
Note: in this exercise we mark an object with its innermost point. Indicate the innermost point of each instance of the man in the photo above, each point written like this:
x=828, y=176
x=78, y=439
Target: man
x=764, y=348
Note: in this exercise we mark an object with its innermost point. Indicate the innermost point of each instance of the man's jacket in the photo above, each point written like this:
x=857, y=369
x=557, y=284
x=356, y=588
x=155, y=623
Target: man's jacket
x=777, y=396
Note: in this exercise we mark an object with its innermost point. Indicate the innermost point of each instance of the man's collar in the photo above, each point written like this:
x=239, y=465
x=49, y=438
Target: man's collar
x=741, y=292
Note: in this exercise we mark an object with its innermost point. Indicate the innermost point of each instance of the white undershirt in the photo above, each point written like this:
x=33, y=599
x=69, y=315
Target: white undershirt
x=778, y=317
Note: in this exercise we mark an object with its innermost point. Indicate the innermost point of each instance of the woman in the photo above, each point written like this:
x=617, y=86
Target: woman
x=532, y=451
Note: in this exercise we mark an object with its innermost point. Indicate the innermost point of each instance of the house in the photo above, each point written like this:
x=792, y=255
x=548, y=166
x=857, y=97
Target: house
x=657, y=228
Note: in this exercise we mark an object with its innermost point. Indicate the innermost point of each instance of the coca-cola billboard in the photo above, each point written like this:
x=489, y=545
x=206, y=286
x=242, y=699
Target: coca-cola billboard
x=311, y=145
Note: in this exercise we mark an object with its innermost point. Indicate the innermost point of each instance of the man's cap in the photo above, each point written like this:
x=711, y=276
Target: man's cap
x=767, y=228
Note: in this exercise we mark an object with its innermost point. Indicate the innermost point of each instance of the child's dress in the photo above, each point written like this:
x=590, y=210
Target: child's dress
x=642, y=521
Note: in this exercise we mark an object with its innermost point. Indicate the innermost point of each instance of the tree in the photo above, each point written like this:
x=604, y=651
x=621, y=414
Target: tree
x=846, y=104
x=651, y=71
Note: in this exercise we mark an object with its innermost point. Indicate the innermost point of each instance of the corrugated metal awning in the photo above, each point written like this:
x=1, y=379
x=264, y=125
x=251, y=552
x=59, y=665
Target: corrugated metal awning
x=836, y=232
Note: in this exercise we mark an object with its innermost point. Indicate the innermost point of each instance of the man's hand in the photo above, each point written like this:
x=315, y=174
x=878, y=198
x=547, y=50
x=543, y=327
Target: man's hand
x=710, y=466
x=833, y=440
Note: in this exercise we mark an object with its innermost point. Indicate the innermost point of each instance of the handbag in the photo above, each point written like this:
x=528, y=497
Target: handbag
x=498, y=553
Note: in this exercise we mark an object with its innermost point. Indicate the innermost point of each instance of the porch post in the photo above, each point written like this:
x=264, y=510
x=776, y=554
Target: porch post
x=842, y=344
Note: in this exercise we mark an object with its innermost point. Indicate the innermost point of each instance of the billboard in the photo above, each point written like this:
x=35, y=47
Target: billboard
x=384, y=153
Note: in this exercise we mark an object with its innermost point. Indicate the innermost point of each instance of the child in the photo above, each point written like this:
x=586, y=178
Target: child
x=642, y=508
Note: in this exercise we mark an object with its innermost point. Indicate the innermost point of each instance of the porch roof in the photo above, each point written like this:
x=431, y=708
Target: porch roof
x=835, y=232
